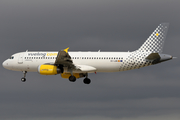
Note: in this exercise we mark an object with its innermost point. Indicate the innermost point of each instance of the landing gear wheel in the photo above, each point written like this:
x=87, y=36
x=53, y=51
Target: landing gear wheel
x=87, y=81
x=23, y=79
x=72, y=78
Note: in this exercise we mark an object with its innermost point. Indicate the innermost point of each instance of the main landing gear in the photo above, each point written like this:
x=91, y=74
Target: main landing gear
x=23, y=79
x=86, y=80
x=72, y=78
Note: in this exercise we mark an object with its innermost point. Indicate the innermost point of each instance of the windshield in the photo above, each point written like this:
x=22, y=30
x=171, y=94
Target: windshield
x=12, y=57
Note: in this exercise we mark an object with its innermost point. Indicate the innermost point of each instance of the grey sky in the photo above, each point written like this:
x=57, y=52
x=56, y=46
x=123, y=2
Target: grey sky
x=89, y=25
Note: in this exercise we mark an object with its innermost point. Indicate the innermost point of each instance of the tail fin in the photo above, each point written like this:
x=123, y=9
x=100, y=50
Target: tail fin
x=156, y=40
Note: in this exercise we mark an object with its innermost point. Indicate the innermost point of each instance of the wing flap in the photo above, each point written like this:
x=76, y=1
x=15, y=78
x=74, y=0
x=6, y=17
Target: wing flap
x=85, y=68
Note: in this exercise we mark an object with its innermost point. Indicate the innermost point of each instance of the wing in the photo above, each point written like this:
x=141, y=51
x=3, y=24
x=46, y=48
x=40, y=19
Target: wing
x=63, y=58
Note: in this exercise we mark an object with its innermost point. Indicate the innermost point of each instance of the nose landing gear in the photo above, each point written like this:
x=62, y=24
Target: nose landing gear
x=23, y=79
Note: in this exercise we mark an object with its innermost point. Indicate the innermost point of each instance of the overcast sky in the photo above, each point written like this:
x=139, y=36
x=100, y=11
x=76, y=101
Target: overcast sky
x=89, y=25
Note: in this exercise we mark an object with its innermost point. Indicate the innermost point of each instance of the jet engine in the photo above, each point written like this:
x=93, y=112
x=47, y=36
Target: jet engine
x=49, y=70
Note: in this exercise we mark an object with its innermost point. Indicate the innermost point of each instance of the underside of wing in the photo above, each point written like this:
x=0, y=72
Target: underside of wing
x=63, y=58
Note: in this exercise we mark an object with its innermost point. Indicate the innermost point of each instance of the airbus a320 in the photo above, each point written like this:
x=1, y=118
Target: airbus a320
x=73, y=65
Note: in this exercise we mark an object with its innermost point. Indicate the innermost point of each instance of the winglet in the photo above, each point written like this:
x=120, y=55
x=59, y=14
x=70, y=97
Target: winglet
x=66, y=50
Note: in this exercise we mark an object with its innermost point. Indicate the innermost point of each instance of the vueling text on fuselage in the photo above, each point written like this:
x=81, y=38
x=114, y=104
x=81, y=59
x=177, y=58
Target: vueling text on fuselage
x=42, y=54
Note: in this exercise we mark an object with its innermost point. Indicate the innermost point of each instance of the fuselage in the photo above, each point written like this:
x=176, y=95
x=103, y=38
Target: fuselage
x=102, y=61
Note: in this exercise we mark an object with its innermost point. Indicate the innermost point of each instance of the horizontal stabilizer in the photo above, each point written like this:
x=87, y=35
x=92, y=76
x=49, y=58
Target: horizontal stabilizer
x=153, y=56
x=158, y=58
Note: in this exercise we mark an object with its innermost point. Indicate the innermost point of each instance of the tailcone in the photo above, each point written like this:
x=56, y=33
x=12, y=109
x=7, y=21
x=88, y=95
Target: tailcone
x=163, y=58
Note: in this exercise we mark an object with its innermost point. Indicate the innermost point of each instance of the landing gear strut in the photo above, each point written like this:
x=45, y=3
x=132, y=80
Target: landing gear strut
x=86, y=80
x=24, y=78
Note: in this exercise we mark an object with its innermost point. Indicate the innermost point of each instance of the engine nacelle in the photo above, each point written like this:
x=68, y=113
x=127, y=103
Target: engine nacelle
x=48, y=70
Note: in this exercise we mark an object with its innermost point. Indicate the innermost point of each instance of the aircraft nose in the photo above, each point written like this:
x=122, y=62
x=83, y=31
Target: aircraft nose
x=5, y=64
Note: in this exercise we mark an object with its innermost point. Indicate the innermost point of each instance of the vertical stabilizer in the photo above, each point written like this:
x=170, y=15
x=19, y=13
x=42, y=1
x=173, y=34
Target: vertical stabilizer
x=156, y=40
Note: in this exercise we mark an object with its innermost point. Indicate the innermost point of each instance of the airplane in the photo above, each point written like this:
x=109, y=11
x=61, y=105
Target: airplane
x=74, y=65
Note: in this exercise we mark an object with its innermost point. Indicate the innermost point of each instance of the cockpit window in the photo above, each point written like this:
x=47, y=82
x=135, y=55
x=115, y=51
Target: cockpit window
x=12, y=57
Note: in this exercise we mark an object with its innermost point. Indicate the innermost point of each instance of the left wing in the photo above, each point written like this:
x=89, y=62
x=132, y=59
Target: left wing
x=63, y=58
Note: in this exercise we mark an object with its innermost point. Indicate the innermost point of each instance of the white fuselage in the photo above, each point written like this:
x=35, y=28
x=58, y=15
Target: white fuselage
x=102, y=61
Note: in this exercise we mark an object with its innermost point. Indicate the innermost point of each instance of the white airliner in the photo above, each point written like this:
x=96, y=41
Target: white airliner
x=74, y=65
